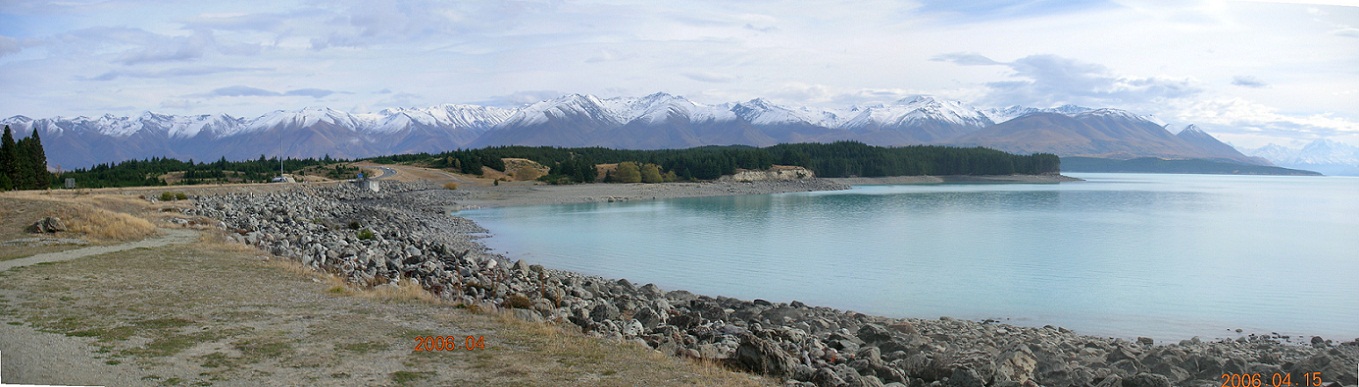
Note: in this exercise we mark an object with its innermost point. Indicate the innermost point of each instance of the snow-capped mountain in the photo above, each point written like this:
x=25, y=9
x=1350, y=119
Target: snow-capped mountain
x=311, y=132
x=654, y=121
x=1323, y=155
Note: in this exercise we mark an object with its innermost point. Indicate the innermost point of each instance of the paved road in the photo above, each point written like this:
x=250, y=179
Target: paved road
x=386, y=173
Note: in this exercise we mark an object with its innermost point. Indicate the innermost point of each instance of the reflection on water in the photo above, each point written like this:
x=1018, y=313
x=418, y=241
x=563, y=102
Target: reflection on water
x=1169, y=256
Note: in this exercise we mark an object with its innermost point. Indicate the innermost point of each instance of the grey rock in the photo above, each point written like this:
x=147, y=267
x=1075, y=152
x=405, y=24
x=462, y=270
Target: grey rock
x=762, y=356
x=1146, y=380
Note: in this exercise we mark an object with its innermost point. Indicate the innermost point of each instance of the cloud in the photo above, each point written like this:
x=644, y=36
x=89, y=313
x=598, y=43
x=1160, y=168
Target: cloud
x=241, y=91
x=965, y=59
x=174, y=72
x=314, y=93
x=520, y=98
x=707, y=76
x=1051, y=80
x=990, y=10
x=9, y=45
x=247, y=91
x=1346, y=31
x=1248, y=81
x=1239, y=116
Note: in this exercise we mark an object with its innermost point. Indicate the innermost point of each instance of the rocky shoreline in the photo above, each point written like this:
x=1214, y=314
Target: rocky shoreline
x=403, y=233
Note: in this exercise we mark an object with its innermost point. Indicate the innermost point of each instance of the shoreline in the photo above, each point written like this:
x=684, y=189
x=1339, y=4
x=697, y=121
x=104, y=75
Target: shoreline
x=416, y=240
x=527, y=194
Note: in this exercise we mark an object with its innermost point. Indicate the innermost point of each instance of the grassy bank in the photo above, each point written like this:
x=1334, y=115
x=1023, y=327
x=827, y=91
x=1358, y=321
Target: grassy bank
x=211, y=313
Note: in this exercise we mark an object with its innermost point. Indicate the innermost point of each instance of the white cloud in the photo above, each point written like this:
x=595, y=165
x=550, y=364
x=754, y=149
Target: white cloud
x=1050, y=80
x=89, y=57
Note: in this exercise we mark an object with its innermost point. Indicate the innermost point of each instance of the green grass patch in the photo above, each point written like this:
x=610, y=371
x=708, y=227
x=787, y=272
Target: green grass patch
x=163, y=323
x=121, y=333
x=217, y=360
x=404, y=378
x=365, y=347
x=255, y=349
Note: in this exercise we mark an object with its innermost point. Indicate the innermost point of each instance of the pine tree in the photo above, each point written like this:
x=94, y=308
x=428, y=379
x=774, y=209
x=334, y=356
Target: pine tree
x=38, y=161
x=8, y=153
x=23, y=165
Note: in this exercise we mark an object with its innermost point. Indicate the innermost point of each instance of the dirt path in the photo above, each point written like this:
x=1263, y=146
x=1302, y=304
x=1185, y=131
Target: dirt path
x=171, y=237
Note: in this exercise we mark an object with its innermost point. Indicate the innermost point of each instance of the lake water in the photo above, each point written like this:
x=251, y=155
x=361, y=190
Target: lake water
x=1165, y=256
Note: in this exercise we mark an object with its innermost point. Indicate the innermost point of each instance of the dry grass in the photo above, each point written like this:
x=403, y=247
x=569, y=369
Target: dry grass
x=100, y=224
x=97, y=217
x=451, y=185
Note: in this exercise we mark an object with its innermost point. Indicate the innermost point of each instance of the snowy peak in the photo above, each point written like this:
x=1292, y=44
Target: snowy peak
x=918, y=110
x=475, y=118
x=1322, y=155
x=1005, y=114
x=570, y=107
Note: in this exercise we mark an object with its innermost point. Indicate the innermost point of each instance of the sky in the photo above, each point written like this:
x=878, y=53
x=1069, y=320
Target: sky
x=1251, y=73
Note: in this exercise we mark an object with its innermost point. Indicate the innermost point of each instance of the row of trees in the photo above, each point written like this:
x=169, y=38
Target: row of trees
x=839, y=159
x=567, y=165
x=148, y=172
x=23, y=164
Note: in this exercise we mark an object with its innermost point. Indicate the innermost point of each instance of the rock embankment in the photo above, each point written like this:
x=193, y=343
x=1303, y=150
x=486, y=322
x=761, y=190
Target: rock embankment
x=403, y=233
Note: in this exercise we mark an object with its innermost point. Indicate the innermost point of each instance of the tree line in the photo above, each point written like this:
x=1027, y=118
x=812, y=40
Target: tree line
x=149, y=172
x=579, y=165
x=838, y=159
x=23, y=163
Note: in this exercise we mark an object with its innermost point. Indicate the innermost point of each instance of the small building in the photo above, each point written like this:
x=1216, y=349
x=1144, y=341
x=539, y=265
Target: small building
x=371, y=185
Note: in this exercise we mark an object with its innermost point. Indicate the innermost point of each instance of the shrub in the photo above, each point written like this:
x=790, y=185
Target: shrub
x=518, y=301
x=167, y=196
x=353, y=225
x=181, y=196
x=451, y=185
x=365, y=234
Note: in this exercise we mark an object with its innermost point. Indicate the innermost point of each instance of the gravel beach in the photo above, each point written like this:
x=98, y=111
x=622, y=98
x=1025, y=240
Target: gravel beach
x=412, y=237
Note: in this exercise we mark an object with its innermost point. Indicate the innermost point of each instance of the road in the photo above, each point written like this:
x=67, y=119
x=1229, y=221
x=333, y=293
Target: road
x=386, y=173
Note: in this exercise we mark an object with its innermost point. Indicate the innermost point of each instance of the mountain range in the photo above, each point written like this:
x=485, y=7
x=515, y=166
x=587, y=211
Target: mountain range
x=1325, y=156
x=656, y=121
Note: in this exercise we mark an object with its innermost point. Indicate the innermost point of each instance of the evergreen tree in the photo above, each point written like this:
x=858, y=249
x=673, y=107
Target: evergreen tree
x=23, y=166
x=38, y=158
x=8, y=153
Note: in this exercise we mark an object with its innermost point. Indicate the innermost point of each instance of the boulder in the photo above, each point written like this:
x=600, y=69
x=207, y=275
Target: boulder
x=603, y=311
x=874, y=333
x=1016, y=364
x=762, y=356
x=1146, y=380
x=965, y=377
x=50, y=224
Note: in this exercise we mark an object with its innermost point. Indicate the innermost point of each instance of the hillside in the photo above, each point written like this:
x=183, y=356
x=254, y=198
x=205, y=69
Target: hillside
x=657, y=121
x=1155, y=165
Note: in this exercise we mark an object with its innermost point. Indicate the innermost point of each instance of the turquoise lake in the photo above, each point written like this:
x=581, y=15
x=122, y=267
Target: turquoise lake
x=1124, y=255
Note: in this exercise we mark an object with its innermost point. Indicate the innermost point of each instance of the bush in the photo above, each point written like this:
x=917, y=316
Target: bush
x=451, y=185
x=181, y=196
x=365, y=234
x=518, y=301
x=353, y=225
x=167, y=196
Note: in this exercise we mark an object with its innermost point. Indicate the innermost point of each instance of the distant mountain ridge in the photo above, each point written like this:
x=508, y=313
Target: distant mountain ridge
x=1322, y=155
x=655, y=121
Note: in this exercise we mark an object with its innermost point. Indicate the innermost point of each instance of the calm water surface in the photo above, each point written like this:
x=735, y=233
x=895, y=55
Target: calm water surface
x=1166, y=256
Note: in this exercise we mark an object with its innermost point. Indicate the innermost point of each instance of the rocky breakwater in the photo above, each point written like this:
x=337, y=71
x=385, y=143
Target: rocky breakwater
x=413, y=239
